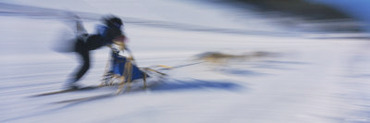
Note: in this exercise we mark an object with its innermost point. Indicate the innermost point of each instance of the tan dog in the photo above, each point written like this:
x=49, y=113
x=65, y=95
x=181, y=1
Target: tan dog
x=217, y=57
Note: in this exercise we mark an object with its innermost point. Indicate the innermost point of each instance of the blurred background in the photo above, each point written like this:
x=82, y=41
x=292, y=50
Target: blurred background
x=310, y=16
x=313, y=16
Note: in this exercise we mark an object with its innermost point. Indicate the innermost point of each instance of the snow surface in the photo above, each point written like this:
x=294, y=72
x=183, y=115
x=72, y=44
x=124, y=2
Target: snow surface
x=304, y=81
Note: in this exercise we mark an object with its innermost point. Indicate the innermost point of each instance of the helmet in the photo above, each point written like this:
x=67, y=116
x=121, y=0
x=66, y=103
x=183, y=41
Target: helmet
x=112, y=21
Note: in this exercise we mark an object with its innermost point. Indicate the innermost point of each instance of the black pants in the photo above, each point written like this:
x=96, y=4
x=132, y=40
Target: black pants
x=84, y=58
x=82, y=48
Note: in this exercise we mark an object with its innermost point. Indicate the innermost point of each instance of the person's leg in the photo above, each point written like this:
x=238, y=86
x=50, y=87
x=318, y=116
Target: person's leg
x=84, y=59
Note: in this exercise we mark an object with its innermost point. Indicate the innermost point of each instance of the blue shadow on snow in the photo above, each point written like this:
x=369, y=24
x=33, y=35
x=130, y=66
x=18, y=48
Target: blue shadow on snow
x=242, y=72
x=196, y=85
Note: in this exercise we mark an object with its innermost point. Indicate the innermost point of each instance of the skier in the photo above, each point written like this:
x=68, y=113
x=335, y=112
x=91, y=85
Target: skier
x=84, y=43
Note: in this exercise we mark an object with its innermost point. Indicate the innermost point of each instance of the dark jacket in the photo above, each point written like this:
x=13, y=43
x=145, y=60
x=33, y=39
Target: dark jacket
x=104, y=37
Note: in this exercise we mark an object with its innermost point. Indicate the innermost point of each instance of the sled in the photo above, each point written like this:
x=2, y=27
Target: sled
x=123, y=71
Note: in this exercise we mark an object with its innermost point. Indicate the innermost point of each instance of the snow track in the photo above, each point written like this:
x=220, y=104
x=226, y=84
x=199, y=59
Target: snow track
x=306, y=80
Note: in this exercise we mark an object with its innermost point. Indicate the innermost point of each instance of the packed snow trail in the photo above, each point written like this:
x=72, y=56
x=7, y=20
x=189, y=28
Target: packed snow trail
x=306, y=80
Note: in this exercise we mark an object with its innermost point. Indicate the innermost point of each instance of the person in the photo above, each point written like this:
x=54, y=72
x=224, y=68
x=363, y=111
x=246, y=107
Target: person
x=84, y=43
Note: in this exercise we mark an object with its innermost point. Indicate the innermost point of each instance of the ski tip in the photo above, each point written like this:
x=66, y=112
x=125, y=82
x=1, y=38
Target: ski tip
x=65, y=91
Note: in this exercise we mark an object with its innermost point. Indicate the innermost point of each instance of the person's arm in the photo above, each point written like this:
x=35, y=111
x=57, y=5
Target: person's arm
x=120, y=41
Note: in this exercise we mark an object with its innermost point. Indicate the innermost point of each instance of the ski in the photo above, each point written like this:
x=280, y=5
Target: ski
x=95, y=97
x=162, y=67
x=85, y=99
x=66, y=91
x=108, y=95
